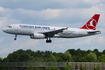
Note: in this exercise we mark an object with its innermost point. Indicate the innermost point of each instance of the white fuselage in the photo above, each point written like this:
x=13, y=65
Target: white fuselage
x=26, y=29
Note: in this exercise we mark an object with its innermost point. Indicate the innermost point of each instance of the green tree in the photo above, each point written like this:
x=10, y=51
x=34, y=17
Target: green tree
x=19, y=51
x=82, y=67
x=5, y=60
x=67, y=56
x=88, y=51
x=72, y=51
x=30, y=52
x=102, y=58
x=38, y=59
x=96, y=51
x=59, y=57
x=78, y=55
x=24, y=57
x=52, y=58
x=1, y=59
x=68, y=67
x=91, y=57
x=13, y=57
x=97, y=68
x=103, y=52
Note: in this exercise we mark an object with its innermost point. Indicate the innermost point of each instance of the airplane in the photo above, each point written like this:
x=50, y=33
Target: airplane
x=48, y=32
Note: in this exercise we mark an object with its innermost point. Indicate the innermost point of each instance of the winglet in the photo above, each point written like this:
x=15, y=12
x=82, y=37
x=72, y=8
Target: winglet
x=92, y=23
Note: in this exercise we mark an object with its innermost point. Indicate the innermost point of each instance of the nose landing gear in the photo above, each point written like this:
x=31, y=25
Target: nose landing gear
x=15, y=37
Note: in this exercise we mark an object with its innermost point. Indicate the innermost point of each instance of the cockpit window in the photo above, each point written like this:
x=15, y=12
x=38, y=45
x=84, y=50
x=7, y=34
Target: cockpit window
x=10, y=26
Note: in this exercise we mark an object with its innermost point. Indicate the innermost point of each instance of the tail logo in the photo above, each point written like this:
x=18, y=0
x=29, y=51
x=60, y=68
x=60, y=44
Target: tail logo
x=92, y=24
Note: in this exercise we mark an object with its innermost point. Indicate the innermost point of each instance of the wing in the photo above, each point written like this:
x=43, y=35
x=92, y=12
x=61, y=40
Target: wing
x=53, y=32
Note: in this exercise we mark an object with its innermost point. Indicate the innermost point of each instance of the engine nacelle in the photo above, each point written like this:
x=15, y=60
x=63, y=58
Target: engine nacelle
x=37, y=36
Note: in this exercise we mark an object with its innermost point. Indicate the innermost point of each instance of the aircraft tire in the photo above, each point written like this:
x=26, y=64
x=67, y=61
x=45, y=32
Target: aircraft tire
x=48, y=41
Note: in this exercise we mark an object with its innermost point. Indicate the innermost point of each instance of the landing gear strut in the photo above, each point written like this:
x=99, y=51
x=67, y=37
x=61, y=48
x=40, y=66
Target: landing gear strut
x=48, y=40
x=15, y=37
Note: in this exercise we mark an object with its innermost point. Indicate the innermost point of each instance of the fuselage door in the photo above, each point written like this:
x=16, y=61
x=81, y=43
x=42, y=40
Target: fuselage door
x=15, y=28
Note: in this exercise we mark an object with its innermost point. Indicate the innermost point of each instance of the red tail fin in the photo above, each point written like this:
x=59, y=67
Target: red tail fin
x=91, y=24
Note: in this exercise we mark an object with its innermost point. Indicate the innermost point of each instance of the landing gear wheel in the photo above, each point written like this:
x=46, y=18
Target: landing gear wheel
x=15, y=37
x=48, y=41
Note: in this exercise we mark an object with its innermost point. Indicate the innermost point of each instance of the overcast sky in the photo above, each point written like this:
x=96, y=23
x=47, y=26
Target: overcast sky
x=68, y=13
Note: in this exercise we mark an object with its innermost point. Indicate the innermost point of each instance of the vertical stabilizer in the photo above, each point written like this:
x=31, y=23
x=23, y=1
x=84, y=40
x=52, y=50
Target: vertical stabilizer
x=92, y=23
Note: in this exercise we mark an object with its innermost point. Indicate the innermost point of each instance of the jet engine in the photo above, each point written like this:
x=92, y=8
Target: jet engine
x=37, y=36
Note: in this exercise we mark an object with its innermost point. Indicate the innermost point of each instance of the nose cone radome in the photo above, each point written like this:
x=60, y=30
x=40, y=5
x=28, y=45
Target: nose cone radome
x=4, y=29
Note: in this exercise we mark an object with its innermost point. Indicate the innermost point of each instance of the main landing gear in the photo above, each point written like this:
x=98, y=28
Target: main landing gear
x=15, y=37
x=48, y=40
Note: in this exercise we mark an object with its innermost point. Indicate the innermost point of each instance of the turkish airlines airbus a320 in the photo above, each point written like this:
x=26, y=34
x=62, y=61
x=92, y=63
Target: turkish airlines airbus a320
x=48, y=32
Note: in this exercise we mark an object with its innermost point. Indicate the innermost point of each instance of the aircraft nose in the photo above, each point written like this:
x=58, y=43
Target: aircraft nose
x=4, y=29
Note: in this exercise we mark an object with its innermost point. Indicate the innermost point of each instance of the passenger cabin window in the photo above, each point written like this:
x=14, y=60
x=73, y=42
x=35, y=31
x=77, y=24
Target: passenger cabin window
x=10, y=26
